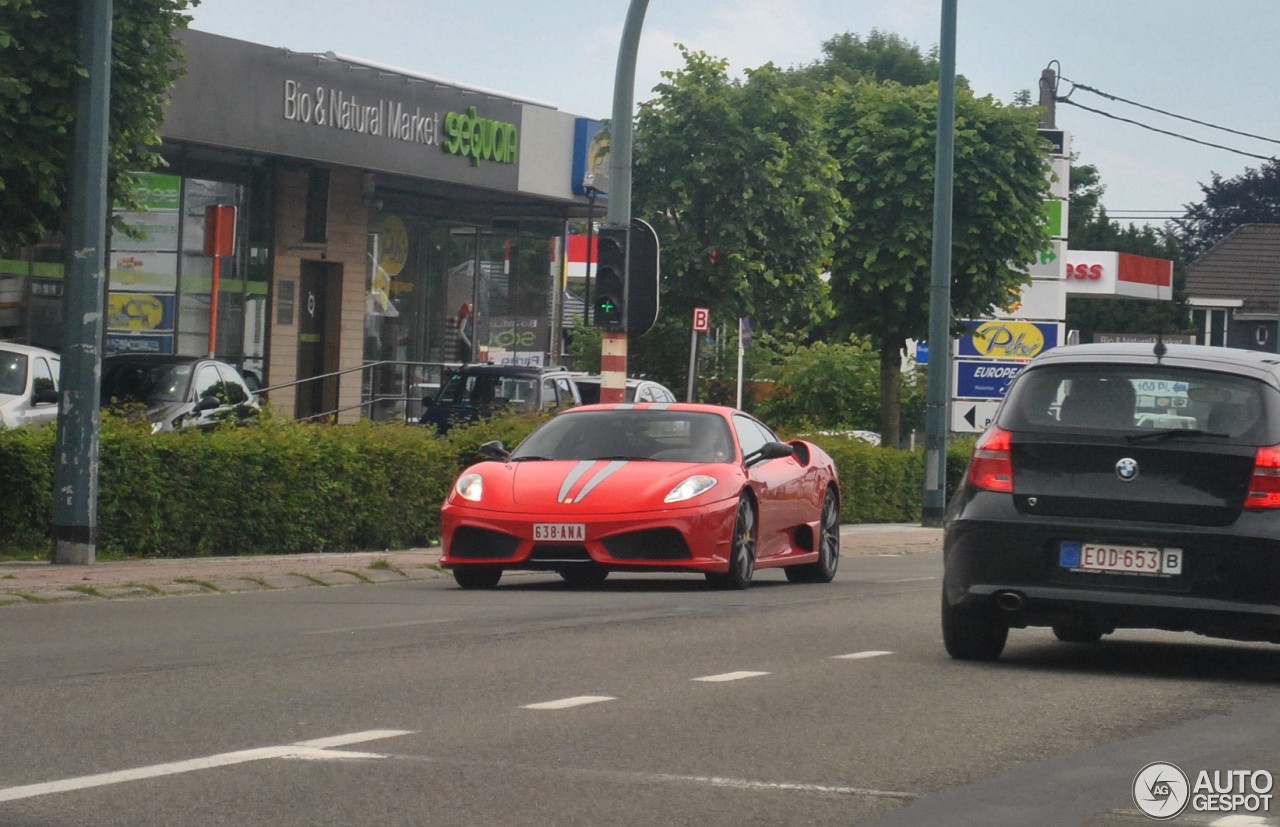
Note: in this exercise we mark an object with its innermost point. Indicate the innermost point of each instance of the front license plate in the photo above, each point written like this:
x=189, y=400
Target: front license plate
x=559, y=532
x=1073, y=554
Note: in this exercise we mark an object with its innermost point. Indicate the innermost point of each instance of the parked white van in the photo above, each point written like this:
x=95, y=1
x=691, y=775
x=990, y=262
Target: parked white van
x=29, y=378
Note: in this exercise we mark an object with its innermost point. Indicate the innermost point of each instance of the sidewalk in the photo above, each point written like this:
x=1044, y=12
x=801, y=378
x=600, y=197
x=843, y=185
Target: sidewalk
x=27, y=583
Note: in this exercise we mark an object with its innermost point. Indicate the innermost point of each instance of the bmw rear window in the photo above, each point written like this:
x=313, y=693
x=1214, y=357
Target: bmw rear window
x=1134, y=398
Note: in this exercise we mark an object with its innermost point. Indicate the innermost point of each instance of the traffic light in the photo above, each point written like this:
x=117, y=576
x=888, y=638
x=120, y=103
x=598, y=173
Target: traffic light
x=642, y=280
x=620, y=295
x=610, y=288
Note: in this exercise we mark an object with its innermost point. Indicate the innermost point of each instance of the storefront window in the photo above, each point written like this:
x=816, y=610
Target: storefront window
x=520, y=283
x=160, y=280
x=405, y=312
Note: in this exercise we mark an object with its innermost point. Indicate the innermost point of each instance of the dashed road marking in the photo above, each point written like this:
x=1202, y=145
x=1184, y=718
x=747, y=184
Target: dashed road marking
x=871, y=653
x=729, y=676
x=309, y=750
x=565, y=703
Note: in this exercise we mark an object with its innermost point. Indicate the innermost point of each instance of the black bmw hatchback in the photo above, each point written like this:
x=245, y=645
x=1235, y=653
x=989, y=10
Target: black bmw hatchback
x=1121, y=486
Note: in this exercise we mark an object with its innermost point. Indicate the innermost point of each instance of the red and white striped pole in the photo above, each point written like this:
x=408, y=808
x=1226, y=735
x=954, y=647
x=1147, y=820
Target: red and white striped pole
x=613, y=366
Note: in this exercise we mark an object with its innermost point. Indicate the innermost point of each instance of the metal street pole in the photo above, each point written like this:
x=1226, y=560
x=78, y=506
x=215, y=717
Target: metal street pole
x=613, y=344
x=75, y=501
x=938, y=391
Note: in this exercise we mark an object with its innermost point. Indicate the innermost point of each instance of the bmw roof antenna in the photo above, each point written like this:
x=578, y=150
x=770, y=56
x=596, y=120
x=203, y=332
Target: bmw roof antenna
x=1160, y=350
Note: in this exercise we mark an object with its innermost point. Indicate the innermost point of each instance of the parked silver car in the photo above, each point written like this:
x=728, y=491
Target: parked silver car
x=638, y=390
x=178, y=392
x=29, y=379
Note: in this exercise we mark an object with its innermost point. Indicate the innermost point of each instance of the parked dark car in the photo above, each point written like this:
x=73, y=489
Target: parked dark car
x=638, y=390
x=177, y=392
x=1121, y=486
x=474, y=392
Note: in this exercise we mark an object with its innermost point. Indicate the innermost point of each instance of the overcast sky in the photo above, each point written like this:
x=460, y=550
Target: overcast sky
x=1214, y=62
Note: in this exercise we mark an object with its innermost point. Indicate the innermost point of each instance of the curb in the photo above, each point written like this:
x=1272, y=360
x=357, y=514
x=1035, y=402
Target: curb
x=35, y=583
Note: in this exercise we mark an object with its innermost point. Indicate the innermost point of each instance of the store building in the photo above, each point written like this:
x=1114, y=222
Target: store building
x=385, y=223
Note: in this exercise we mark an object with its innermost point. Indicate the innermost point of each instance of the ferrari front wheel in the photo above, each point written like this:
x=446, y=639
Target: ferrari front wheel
x=477, y=577
x=822, y=570
x=742, y=553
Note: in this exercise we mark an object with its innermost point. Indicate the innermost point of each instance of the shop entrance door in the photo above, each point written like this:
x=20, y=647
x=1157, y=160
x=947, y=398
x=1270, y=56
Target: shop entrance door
x=318, y=330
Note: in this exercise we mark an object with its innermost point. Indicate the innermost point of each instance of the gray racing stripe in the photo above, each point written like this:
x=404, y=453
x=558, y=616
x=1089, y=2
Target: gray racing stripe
x=604, y=474
x=572, y=477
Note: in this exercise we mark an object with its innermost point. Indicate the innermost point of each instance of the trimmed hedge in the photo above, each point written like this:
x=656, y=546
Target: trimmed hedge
x=280, y=487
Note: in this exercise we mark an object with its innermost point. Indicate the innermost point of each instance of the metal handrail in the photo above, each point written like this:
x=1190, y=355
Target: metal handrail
x=404, y=395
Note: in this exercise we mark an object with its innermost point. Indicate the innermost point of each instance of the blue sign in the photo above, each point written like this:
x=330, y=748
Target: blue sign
x=140, y=343
x=922, y=353
x=590, y=162
x=985, y=380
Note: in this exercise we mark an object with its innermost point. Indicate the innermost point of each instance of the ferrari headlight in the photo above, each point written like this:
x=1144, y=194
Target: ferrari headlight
x=690, y=488
x=470, y=487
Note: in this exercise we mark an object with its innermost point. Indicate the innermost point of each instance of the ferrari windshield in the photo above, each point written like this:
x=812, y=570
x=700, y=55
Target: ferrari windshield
x=667, y=436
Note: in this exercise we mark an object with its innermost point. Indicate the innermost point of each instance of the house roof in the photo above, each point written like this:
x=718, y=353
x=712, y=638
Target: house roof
x=1245, y=265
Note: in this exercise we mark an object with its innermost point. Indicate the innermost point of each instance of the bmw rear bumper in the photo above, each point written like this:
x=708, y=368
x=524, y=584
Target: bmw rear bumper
x=1229, y=586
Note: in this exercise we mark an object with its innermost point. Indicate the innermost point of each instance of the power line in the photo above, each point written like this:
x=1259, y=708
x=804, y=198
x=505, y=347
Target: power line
x=1100, y=93
x=1164, y=131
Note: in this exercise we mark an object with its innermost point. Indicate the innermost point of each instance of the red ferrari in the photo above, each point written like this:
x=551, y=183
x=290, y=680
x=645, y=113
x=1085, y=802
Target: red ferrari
x=647, y=487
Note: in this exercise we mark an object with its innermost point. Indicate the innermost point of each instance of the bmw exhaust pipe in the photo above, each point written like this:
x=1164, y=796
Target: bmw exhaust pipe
x=1009, y=601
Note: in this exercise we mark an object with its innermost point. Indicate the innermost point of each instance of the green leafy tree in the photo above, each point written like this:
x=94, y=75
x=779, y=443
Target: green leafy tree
x=884, y=136
x=1091, y=229
x=878, y=57
x=1250, y=198
x=735, y=178
x=38, y=75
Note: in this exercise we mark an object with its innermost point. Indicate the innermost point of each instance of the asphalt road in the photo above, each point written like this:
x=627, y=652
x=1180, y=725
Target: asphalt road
x=650, y=700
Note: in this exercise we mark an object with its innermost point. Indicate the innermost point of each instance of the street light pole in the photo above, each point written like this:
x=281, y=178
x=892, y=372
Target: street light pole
x=613, y=344
x=75, y=501
x=938, y=390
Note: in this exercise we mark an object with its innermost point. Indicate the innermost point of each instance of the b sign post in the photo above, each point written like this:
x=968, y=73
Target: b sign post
x=701, y=324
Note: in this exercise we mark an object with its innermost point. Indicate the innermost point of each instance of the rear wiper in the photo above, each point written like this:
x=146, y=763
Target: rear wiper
x=1170, y=433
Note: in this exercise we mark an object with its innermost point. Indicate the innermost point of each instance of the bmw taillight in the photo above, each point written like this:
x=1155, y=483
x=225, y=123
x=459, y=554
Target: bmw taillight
x=1264, y=485
x=991, y=468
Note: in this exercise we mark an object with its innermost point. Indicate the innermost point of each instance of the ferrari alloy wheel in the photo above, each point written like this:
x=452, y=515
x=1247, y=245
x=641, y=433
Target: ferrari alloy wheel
x=972, y=632
x=477, y=577
x=584, y=576
x=742, y=554
x=822, y=570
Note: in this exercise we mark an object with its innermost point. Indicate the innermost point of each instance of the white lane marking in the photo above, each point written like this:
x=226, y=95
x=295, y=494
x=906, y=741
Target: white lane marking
x=348, y=629
x=730, y=676
x=873, y=653
x=565, y=703
x=745, y=784
x=302, y=749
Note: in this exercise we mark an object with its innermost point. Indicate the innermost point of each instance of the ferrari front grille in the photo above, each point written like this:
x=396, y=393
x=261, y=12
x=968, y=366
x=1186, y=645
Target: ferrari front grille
x=481, y=543
x=650, y=544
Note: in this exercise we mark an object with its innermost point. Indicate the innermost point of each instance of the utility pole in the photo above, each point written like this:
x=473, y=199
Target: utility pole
x=1048, y=98
x=75, y=500
x=613, y=344
x=938, y=390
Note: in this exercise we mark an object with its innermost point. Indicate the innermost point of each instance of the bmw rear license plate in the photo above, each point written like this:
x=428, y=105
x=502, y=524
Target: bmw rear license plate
x=1106, y=557
x=559, y=532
